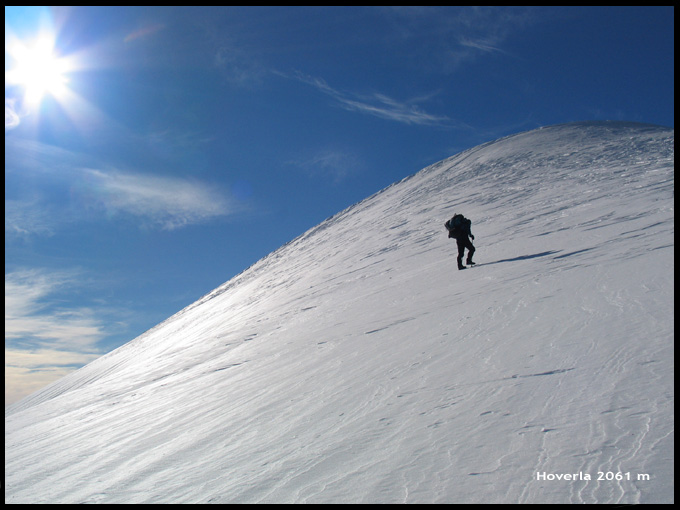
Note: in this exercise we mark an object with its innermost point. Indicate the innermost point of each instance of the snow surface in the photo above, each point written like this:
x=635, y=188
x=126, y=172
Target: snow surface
x=356, y=364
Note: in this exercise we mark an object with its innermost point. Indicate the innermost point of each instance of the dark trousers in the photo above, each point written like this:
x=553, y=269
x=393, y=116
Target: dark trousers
x=464, y=242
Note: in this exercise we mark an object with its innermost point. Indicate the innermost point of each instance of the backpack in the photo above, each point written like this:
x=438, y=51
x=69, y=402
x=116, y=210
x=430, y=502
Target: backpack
x=455, y=225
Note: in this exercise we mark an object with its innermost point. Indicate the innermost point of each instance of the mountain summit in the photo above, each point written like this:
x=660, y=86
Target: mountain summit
x=357, y=364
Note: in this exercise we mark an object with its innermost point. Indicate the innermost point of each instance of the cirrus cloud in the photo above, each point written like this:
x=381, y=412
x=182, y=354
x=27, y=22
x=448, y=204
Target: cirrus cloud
x=45, y=340
x=377, y=105
x=69, y=187
x=166, y=202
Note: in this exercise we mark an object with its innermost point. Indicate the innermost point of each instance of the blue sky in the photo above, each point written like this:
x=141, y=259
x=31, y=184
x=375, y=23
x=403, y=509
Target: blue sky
x=159, y=151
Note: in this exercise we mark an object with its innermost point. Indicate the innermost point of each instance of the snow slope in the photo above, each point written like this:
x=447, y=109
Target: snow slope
x=356, y=364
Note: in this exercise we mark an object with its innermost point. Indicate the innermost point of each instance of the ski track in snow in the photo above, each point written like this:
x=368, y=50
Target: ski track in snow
x=356, y=364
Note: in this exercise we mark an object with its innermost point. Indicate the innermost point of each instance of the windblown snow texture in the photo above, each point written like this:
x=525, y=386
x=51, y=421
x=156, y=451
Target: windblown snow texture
x=356, y=364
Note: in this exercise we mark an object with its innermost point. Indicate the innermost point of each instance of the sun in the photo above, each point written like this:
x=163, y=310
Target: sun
x=38, y=70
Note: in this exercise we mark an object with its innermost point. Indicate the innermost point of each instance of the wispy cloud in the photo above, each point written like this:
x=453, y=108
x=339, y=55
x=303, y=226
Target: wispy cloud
x=27, y=371
x=43, y=340
x=377, y=105
x=488, y=45
x=12, y=118
x=445, y=38
x=73, y=184
x=144, y=32
x=166, y=202
x=30, y=316
x=30, y=217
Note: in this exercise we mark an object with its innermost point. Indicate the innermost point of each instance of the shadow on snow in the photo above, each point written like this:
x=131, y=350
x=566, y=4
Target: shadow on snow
x=524, y=257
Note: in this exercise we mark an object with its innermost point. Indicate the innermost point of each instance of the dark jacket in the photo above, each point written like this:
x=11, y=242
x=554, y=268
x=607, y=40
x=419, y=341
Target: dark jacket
x=461, y=232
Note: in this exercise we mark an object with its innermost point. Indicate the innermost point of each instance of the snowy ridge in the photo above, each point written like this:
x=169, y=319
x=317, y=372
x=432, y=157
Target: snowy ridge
x=356, y=364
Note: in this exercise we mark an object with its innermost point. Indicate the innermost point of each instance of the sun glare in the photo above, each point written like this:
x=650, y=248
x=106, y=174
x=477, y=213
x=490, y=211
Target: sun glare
x=38, y=70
